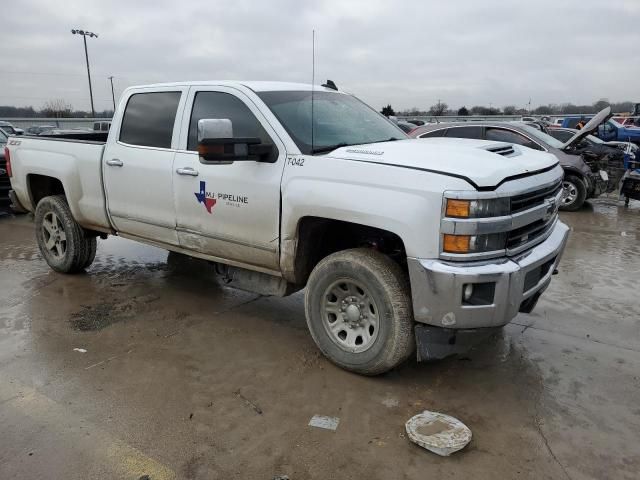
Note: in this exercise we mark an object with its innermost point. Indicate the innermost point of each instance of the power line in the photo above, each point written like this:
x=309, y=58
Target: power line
x=8, y=72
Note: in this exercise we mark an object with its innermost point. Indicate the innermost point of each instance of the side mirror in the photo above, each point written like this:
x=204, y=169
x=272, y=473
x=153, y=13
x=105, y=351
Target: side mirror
x=216, y=143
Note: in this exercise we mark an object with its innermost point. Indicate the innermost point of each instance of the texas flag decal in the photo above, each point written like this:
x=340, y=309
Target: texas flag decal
x=202, y=197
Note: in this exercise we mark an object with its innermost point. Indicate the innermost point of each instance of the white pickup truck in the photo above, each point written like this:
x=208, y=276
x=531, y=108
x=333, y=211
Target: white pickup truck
x=402, y=244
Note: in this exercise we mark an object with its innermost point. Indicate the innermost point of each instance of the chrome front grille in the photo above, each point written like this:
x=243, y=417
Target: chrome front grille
x=529, y=200
x=531, y=218
x=526, y=236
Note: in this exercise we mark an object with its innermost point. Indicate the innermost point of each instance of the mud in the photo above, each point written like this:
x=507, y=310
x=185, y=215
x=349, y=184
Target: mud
x=176, y=366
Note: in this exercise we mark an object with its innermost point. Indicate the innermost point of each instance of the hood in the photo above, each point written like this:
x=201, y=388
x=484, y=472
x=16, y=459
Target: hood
x=599, y=118
x=482, y=163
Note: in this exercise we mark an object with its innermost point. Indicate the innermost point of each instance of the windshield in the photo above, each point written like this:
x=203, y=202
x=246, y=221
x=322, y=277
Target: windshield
x=338, y=120
x=545, y=137
x=3, y=137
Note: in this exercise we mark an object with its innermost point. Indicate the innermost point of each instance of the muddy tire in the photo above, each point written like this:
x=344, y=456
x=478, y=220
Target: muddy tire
x=62, y=242
x=358, y=310
x=574, y=193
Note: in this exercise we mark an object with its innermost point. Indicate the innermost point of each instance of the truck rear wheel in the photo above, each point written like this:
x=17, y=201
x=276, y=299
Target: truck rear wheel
x=62, y=242
x=358, y=310
x=574, y=193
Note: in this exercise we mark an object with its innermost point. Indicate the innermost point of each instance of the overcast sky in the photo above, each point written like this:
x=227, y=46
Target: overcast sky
x=409, y=54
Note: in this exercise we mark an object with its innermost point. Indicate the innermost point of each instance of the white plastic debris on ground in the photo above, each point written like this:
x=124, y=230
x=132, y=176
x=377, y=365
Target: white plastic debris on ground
x=320, y=421
x=438, y=433
x=81, y=350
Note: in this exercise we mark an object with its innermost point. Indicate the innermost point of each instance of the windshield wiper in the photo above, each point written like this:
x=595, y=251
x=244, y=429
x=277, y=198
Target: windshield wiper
x=329, y=148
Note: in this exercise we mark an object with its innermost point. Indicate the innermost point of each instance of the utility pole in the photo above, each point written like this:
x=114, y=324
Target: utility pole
x=86, y=34
x=112, y=94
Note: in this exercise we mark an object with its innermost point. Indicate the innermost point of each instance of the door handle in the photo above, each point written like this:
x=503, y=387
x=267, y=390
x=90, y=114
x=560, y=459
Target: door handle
x=114, y=162
x=187, y=171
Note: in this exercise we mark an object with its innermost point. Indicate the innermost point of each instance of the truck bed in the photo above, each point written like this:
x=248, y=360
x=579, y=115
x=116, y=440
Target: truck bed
x=93, y=137
x=74, y=160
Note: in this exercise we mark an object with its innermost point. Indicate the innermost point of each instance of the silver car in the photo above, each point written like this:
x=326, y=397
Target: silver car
x=581, y=181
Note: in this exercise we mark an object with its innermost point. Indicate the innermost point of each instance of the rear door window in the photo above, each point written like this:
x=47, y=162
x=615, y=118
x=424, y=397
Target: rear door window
x=434, y=133
x=465, y=132
x=149, y=118
x=509, y=136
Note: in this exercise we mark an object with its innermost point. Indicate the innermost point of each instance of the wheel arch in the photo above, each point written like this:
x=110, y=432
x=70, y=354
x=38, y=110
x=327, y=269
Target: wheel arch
x=315, y=238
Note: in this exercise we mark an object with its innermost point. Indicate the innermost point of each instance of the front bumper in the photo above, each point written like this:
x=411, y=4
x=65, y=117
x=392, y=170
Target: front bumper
x=510, y=284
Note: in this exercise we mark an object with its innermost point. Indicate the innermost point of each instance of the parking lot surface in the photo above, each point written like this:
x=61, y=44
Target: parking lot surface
x=147, y=366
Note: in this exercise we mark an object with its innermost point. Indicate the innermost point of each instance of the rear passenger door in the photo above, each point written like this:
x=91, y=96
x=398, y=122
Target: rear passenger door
x=138, y=164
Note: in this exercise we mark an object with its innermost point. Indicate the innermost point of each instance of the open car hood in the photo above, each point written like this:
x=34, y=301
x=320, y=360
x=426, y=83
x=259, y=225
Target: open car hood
x=591, y=126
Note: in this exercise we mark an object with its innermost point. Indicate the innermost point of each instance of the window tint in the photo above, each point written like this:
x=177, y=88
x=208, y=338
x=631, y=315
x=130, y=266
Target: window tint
x=465, y=132
x=509, y=136
x=148, y=119
x=434, y=133
x=561, y=135
x=225, y=105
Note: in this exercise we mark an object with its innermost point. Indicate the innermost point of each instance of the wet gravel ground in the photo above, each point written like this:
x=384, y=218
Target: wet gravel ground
x=176, y=376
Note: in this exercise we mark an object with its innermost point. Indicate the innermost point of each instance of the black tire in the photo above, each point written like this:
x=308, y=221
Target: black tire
x=67, y=249
x=386, y=285
x=578, y=195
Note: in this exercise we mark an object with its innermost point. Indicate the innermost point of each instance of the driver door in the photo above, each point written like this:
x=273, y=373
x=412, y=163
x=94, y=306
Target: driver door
x=228, y=210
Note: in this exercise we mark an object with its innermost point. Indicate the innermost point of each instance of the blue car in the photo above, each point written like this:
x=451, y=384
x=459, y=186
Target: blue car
x=608, y=131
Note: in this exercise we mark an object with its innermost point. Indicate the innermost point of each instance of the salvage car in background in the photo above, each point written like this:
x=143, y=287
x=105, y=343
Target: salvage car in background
x=9, y=129
x=38, y=129
x=583, y=179
x=610, y=155
x=564, y=134
x=5, y=184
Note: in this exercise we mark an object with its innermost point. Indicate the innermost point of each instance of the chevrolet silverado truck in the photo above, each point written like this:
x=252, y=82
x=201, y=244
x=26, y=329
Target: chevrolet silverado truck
x=403, y=246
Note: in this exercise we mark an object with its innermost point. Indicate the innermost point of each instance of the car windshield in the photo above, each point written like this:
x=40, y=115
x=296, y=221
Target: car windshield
x=3, y=137
x=338, y=120
x=545, y=137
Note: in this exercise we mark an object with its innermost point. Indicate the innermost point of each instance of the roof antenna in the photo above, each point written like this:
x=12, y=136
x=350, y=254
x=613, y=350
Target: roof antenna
x=313, y=79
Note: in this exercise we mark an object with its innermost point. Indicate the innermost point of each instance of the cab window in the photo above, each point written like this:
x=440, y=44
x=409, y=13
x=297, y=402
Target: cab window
x=149, y=118
x=225, y=105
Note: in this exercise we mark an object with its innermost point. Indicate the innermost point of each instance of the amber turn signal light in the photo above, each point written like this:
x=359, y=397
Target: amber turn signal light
x=456, y=243
x=458, y=208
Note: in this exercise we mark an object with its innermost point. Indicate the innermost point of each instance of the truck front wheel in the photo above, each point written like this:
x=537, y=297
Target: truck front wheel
x=62, y=242
x=358, y=310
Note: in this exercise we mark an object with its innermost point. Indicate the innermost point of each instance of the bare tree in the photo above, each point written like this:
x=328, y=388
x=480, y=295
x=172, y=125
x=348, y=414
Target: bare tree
x=509, y=110
x=57, y=108
x=438, y=109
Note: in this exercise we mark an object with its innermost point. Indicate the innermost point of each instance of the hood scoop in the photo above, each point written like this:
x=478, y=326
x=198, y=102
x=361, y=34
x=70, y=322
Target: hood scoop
x=504, y=149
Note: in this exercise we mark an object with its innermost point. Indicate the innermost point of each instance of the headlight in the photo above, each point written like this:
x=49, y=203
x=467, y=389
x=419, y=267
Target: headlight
x=490, y=207
x=474, y=243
